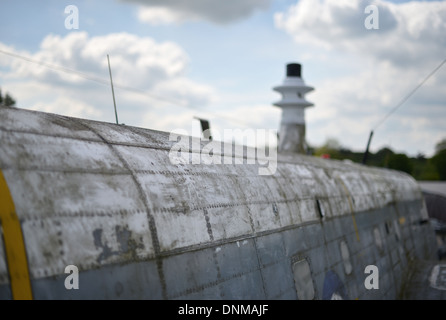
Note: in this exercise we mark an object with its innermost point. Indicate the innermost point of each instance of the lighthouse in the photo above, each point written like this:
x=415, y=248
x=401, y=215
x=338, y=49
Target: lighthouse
x=293, y=104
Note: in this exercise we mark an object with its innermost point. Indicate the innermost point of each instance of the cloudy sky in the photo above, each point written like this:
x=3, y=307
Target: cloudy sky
x=173, y=60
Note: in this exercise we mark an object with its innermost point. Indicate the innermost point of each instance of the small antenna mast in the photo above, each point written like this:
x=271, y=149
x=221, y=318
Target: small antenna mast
x=113, y=91
x=364, y=160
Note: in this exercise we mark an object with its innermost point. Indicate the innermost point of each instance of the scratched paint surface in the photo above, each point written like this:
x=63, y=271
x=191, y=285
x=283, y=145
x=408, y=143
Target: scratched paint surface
x=91, y=194
x=4, y=277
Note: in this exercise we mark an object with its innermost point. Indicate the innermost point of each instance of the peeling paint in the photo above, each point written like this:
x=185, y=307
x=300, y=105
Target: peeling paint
x=94, y=194
x=98, y=242
x=437, y=277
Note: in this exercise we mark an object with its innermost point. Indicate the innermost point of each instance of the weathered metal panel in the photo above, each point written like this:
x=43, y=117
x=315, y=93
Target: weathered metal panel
x=29, y=151
x=70, y=193
x=108, y=199
x=115, y=281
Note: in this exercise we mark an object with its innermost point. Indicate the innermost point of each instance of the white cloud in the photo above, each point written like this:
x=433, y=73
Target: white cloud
x=407, y=32
x=69, y=107
x=135, y=61
x=189, y=93
x=381, y=67
x=160, y=16
x=242, y=117
x=220, y=12
x=349, y=107
x=147, y=75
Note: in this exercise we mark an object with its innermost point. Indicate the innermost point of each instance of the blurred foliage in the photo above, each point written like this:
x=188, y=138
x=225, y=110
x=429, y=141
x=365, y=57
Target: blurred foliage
x=400, y=162
x=440, y=146
x=6, y=100
x=420, y=167
x=439, y=161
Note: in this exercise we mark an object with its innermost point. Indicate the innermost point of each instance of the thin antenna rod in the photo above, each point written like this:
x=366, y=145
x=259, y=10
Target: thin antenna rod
x=366, y=153
x=364, y=160
x=410, y=93
x=102, y=81
x=113, y=91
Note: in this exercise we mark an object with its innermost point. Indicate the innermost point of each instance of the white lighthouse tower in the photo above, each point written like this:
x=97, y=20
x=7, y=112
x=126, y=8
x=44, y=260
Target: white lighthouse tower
x=293, y=104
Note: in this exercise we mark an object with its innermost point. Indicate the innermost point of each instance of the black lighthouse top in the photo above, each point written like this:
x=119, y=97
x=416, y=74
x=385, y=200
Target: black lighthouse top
x=293, y=70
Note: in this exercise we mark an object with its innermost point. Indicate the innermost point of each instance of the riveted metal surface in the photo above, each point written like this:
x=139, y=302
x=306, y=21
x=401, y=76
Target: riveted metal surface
x=108, y=199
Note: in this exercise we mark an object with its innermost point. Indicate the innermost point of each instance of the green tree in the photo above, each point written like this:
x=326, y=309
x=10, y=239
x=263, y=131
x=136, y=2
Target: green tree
x=401, y=162
x=7, y=101
x=381, y=158
x=439, y=161
x=440, y=146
